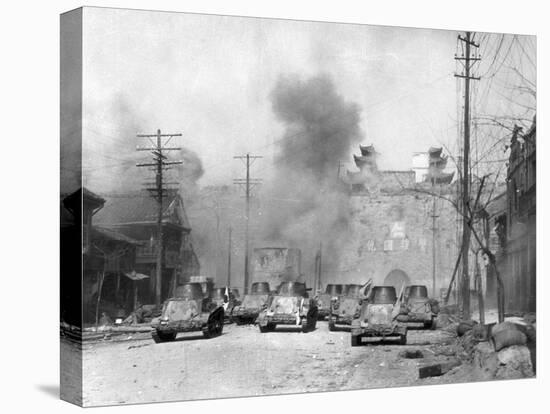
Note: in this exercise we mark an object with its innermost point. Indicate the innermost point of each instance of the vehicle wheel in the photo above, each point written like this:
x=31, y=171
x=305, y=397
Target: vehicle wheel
x=403, y=339
x=271, y=327
x=206, y=330
x=309, y=322
x=264, y=329
x=214, y=327
x=218, y=326
x=312, y=323
x=159, y=337
x=331, y=325
x=355, y=340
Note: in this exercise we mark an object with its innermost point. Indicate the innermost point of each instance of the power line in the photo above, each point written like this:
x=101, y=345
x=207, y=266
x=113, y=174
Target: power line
x=159, y=191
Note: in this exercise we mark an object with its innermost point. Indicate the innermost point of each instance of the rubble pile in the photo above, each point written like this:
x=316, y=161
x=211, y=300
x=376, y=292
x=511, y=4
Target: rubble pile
x=498, y=351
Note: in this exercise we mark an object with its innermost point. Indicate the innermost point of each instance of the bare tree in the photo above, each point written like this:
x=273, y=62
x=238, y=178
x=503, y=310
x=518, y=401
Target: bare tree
x=471, y=213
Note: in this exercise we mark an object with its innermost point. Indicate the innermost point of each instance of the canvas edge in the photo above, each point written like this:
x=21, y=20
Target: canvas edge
x=71, y=169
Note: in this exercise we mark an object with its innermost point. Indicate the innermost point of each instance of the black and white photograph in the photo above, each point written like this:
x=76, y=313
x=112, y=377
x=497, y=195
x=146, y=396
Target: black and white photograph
x=255, y=206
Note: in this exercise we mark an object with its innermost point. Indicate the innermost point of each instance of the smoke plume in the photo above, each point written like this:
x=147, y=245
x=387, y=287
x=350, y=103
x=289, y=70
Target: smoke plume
x=190, y=172
x=306, y=203
x=321, y=125
x=109, y=159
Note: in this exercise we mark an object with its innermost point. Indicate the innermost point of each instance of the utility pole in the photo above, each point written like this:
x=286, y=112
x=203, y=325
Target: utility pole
x=338, y=174
x=229, y=260
x=318, y=266
x=468, y=62
x=159, y=190
x=248, y=183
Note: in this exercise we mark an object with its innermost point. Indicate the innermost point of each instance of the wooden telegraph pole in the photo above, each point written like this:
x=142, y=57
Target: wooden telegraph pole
x=468, y=62
x=248, y=183
x=158, y=192
x=319, y=263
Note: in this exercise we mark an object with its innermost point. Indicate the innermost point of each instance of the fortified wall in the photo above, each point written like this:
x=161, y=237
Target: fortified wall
x=391, y=237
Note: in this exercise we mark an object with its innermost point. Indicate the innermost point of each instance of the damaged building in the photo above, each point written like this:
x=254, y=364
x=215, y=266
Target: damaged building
x=106, y=277
x=513, y=217
x=392, y=238
x=135, y=216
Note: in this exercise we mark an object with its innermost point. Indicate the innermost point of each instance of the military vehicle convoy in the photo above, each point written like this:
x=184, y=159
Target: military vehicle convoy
x=374, y=314
x=377, y=318
x=346, y=307
x=252, y=304
x=324, y=300
x=190, y=310
x=289, y=305
x=417, y=309
x=228, y=299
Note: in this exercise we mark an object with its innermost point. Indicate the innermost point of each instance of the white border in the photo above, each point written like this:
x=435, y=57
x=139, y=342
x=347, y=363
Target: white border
x=30, y=131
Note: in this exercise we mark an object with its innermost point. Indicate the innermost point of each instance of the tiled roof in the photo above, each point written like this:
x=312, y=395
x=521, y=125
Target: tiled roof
x=367, y=150
x=142, y=209
x=435, y=151
x=98, y=232
x=87, y=194
x=497, y=205
x=82, y=195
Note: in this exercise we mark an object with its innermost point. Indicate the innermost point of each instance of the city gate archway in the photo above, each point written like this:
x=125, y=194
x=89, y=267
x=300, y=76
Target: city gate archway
x=397, y=278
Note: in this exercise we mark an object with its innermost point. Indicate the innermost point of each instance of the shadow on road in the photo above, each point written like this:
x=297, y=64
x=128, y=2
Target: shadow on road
x=195, y=337
x=293, y=329
x=341, y=328
x=50, y=389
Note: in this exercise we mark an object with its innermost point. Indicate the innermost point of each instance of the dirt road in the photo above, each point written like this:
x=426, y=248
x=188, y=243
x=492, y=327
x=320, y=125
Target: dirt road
x=245, y=362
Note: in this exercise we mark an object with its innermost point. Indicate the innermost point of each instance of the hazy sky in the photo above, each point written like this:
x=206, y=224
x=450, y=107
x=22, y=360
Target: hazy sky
x=209, y=78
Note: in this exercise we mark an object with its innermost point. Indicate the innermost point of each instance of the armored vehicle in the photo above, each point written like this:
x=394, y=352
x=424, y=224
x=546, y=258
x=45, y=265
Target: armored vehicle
x=346, y=307
x=188, y=311
x=252, y=304
x=234, y=292
x=225, y=297
x=332, y=292
x=417, y=309
x=289, y=305
x=377, y=318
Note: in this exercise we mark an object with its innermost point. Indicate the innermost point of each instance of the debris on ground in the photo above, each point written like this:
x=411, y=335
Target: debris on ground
x=498, y=351
x=482, y=332
x=465, y=326
x=138, y=346
x=437, y=369
x=411, y=354
x=508, y=337
x=514, y=362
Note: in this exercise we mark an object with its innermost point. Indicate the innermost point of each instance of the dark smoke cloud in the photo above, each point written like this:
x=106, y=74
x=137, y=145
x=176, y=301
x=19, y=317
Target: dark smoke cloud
x=321, y=125
x=305, y=203
x=190, y=173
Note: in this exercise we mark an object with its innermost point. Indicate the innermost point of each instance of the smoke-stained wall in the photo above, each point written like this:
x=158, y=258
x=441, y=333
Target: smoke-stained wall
x=394, y=232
